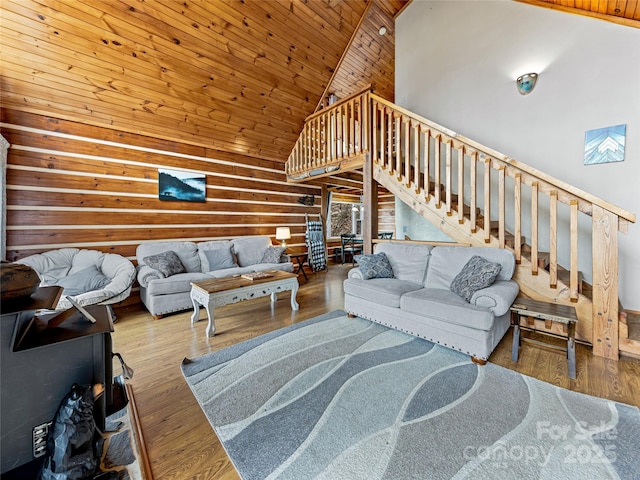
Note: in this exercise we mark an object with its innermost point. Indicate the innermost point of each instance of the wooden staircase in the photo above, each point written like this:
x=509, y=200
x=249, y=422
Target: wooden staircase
x=481, y=197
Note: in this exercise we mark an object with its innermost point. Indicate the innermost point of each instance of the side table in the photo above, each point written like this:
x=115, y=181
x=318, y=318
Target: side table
x=549, y=312
x=301, y=259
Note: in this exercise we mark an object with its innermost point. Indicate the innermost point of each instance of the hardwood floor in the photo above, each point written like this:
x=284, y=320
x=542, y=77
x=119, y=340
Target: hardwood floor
x=180, y=442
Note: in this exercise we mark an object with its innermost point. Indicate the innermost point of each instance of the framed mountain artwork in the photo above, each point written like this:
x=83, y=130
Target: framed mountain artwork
x=179, y=185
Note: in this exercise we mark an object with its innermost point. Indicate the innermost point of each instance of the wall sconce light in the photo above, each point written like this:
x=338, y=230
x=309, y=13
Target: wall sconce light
x=526, y=82
x=283, y=234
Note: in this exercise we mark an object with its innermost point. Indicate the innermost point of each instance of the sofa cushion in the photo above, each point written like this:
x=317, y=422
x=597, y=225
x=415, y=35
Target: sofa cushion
x=477, y=273
x=446, y=262
x=408, y=262
x=220, y=258
x=86, y=280
x=446, y=306
x=186, y=251
x=374, y=265
x=178, y=283
x=272, y=254
x=249, y=250
x=383, y=291
x=168, y=263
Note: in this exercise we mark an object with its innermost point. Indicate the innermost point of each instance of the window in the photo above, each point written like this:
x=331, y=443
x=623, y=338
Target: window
x=344, y=217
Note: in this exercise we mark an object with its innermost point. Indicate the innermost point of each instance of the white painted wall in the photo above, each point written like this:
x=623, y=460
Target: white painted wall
x=456, y=64
x=415, y=226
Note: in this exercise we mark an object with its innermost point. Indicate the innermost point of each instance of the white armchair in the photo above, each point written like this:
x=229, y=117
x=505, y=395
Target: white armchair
x=89, y=277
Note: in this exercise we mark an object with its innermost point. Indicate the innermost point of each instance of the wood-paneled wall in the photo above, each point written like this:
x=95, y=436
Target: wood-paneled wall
x=73, y=185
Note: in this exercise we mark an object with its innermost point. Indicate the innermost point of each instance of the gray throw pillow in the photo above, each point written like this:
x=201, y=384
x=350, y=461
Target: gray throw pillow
x=374, y=265
x=168, y=263
x=86, y=280
x=272, y=255
x=478, y=273
x=221, y=258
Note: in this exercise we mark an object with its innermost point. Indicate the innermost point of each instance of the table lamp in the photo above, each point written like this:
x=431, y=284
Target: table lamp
x=283, y=234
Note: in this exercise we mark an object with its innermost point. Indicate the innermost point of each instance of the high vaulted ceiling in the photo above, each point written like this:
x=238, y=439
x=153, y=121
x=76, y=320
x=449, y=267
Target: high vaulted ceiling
x=235, y=75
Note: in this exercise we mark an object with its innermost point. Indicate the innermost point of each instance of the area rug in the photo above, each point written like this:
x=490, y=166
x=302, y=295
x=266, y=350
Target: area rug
x=345, y=398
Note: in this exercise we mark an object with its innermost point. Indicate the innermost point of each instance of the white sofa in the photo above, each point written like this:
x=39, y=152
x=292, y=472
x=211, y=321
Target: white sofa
x=163, y=294
x=90, y=277
x=419, y=301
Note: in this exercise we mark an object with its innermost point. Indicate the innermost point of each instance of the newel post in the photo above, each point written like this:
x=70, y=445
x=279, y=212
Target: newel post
x=605, y=283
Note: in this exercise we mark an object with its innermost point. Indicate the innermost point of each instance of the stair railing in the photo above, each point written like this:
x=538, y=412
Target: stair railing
x=484, y=196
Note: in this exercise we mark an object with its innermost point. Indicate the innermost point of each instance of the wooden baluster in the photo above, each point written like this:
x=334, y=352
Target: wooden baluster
x=517, y=193
x=390, y=124
x=534, y=228
x=339, y=133
x=374, y=133
x=406, y=126
x=427, y=161
x=487, y=200
x=383, y=138
x=319, y=141
x=305, y=155
x=573, y=274
x=501, y=209
x=416, y=156
x=461, y=185
x=356, y=125
x=448, y=174
x=349, y=133
x=553, y=239
x=352, y=126
x=314, y=143
x=325, y=140
x=437, y=171
x=398, y=134
x=473, y=184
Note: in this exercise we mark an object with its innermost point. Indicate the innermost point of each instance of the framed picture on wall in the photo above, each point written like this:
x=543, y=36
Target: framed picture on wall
x=179, y=185
x=604, y=145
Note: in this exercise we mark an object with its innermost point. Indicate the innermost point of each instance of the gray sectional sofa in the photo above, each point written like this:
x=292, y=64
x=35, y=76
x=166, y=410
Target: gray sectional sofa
x=164, y=292
x=419, y=300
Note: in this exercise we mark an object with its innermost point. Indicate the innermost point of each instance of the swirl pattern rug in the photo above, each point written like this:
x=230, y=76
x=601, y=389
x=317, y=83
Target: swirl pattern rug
x=345, y=398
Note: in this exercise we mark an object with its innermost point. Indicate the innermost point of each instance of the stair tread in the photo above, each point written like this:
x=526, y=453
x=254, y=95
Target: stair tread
x=633, y=322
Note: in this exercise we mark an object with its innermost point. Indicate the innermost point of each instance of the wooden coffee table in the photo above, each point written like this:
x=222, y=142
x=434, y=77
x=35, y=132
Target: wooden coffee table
x=225, y=291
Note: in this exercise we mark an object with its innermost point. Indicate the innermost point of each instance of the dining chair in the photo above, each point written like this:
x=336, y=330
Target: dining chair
x=351, y=246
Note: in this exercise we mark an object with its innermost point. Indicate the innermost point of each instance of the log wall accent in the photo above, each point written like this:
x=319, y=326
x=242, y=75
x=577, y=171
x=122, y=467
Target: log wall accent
x=73, y=185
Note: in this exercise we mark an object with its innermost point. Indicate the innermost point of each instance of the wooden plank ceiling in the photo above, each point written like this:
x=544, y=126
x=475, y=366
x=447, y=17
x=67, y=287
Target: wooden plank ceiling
x=625, y=12
x=234, y=75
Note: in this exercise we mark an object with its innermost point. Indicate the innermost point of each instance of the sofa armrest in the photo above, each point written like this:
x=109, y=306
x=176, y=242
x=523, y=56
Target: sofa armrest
x=146, y=274
x=355, y=273
x=498, y=297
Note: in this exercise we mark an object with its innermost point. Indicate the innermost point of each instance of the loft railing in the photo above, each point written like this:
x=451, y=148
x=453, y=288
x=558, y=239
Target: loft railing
x=480, y=196
x=335, y=138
